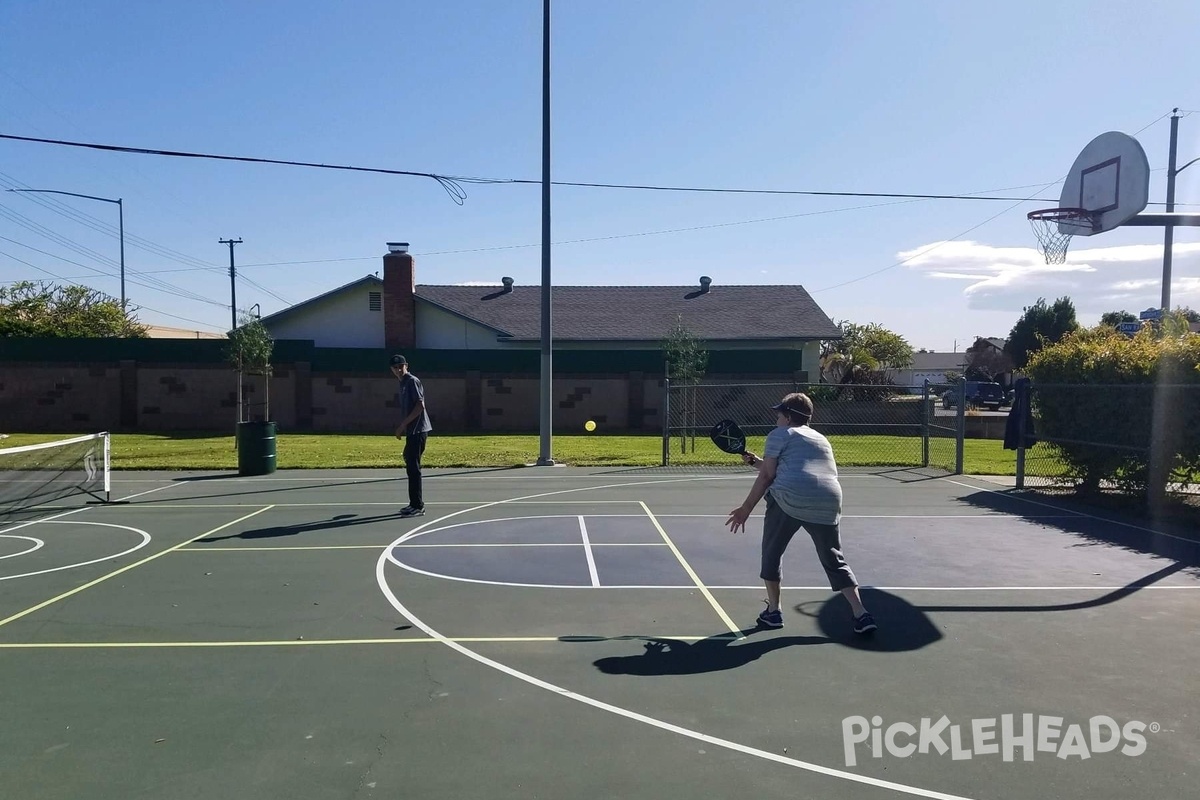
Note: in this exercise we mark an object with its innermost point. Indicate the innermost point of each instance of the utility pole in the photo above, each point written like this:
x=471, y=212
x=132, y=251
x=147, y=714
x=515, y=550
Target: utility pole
x=232, y=283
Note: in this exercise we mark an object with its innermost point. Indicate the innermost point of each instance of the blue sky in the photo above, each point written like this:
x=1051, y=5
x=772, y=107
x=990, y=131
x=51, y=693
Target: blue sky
x=921, y=97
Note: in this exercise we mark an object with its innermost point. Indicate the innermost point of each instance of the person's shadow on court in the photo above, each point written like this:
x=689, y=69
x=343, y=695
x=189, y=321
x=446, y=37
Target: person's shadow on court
x=339, y=521
x=665, y=656
x=907, y=628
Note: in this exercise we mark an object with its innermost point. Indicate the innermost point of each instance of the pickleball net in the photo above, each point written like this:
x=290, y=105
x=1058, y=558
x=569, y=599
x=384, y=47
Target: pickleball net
x=36, y=474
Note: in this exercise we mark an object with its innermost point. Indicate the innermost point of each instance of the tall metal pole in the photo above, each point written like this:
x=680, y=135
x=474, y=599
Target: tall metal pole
x=121, y=217
x=121, y=213
x=232, y=282
x=1169, y=229
x=547, y=395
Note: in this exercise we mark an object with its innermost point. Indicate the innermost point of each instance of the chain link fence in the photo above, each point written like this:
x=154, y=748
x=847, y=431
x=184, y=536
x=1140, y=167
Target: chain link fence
x=1114, y=442
x=871, y=427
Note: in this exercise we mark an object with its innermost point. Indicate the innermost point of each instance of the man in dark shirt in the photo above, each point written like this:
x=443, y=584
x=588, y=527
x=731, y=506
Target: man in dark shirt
x=414, y=428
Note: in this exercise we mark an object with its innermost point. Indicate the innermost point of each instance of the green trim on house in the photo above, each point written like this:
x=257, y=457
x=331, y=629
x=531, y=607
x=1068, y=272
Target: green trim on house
x=337, y=359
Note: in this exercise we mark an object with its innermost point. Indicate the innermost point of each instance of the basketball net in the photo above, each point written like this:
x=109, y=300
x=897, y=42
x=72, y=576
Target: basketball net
x=1054, y=228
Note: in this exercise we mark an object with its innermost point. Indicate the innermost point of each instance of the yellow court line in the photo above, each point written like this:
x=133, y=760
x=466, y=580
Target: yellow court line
x=126, y=568
x=284, y=547
x=324, y=642
x=411, y=546
x=692, y=573
x=167, y=505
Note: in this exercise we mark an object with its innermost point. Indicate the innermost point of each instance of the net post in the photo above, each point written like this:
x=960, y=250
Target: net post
x=666, y=423
x=960, y=425
x=107, y=465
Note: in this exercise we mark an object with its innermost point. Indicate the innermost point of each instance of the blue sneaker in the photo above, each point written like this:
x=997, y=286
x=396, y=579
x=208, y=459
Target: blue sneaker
x=865, y=623
x=770, y=619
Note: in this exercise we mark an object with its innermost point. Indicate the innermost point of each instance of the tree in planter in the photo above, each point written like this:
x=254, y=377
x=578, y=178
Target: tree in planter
x=687, y=361
x=249, y=349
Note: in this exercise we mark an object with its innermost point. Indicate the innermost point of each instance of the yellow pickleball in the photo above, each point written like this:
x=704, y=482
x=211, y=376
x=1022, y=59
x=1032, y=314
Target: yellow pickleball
x=589, y=425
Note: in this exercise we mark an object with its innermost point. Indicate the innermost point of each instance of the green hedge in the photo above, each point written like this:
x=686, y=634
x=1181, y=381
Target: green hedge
x=1095, y=398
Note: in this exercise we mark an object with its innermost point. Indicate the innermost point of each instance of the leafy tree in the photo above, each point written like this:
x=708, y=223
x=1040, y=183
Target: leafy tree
x=864, y=354
x=1114, y=318
x=1188, y=314
x=29, y=309
x=985, y=362
x=1040, y=325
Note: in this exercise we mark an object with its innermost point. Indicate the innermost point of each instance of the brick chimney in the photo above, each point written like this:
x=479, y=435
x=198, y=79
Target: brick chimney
x=399, y=303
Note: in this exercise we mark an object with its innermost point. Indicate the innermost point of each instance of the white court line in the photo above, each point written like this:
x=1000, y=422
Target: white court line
x=37, y=544
x=381, y=579
x=586, y=543
x=587, y=549
x=126, y=568
x=1076, y=513
x=20, y=525
x=145, y=541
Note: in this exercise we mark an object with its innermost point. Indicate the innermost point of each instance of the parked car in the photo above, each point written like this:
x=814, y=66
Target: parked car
x=979, y=394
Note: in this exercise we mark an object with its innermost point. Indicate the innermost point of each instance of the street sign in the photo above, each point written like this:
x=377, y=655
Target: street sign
x=1129, y=328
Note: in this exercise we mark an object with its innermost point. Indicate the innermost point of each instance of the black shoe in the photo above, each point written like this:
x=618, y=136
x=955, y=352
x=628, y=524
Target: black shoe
x=770, y=619
x=865, y=623
x=410, y=511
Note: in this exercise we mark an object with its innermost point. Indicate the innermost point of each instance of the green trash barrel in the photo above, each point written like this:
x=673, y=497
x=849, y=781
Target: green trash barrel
x=256, y=448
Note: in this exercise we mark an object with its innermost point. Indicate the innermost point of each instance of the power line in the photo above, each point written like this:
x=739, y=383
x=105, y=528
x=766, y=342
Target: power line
x=459, y=195
x=449, y=184
x=68, y=280
x=70, y=244
x=95, y=224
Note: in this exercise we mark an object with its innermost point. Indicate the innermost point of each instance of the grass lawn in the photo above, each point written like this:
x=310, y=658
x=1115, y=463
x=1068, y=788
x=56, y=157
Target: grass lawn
x=207, y=451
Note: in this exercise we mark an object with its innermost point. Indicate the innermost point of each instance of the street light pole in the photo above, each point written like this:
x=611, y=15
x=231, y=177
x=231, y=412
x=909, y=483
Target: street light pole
x=121, y=214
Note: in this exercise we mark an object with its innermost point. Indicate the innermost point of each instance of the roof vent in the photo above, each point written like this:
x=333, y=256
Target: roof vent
x=508, y=284
x=397, y=247
x=705, y=282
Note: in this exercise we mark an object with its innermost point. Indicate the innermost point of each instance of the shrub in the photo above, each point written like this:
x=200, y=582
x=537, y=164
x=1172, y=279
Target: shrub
x=1096, y=395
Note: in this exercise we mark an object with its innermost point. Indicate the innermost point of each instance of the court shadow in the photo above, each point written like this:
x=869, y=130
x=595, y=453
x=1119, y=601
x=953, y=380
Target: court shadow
x=903, y=627
x=666, y=656
x=276, y=531
x=1094, y=527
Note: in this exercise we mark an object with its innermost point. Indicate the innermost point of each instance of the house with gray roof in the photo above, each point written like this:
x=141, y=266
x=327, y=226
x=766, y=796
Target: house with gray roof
x=398, y=313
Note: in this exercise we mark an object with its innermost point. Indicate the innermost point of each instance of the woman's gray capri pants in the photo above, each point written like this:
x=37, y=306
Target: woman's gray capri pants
x=778, y=530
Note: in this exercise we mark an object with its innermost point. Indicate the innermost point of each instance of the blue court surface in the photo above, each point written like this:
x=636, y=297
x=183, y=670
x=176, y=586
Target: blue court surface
x=559, y=632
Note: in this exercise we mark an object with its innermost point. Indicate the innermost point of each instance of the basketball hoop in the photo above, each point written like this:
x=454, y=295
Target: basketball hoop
x=1054, y=228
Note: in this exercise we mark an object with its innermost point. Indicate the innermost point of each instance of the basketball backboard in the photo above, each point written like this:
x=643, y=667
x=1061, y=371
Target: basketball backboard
x=1110, y=179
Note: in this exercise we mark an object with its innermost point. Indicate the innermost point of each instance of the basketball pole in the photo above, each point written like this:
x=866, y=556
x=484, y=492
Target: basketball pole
x=1169, y=229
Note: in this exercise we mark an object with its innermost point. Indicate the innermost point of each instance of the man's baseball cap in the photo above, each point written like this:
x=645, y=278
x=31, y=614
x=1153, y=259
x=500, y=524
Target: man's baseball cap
x=398, y=360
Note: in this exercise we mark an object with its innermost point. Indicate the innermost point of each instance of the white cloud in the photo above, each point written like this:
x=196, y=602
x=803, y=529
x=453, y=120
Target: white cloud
x=1097, y=279
x=477, y=283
